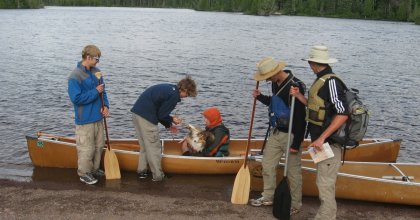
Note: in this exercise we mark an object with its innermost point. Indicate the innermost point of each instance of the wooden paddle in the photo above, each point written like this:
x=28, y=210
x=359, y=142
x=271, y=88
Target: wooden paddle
x=282, y=198
x=111, y=166
x=241, y=187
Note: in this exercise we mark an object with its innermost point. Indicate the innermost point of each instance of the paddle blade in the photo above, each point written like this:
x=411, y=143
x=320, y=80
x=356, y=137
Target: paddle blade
x=241, y=187
x=112, y=168
x=282, y=200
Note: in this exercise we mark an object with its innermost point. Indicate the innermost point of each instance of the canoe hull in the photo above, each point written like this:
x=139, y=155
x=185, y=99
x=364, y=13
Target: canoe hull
x=184, y=165
x=356, y=181
x=61, y=153
x=53, y=153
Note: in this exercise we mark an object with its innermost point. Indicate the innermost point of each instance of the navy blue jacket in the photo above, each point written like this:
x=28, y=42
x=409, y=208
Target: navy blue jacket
x=156, y=103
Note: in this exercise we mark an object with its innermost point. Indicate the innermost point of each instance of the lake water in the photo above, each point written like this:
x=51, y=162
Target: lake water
x=142, y=47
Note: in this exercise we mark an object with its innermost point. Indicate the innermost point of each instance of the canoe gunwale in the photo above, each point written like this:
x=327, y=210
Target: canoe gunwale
x=55, y=141
x=374, y=141
x=343, y=174
x=137, y=152
x=183, y=157
x=127, y=149
x=203, y=158
x=382, y=180
x=377, y=141
x=70, y=144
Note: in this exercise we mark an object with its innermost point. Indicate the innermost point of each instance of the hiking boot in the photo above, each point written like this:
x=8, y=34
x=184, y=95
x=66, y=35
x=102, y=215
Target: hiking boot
x=294, y=211
x=88, y=179
x=159, y=179
x=260, y=201
x=143, y=175
x=98, y=173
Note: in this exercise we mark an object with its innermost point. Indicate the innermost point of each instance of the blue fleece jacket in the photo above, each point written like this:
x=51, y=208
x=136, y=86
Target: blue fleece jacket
x=86, y=99
x=156, y=103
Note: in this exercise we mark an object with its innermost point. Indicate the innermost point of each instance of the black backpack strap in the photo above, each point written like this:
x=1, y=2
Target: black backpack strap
x=343, y=155
x=265, y=139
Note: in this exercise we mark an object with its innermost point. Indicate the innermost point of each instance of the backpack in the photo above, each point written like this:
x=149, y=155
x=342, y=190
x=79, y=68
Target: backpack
x=278, y=111
x=353, y=131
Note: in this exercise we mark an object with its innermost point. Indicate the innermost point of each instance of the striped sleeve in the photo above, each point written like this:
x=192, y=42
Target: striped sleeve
x=336, y=96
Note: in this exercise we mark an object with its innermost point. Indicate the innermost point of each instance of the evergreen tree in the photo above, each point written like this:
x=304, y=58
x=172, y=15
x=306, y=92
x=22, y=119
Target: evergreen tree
x=416, y=13
x=266, y=7
x=368, y=8
x=401, y=13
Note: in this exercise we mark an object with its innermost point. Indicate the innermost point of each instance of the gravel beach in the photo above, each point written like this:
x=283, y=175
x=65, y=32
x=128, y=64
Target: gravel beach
x=57, y=194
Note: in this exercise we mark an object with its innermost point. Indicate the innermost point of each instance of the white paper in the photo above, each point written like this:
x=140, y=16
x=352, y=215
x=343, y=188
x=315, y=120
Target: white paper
x=325, y=153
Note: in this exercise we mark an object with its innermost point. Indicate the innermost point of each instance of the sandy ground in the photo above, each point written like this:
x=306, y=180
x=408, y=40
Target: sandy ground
x=57, y=194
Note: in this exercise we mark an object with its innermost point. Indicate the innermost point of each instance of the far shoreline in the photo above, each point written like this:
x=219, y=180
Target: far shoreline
x=273, y=13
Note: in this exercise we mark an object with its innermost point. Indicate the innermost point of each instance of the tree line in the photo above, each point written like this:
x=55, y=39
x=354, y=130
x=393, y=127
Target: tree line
x=10, y=4
x=398, y=10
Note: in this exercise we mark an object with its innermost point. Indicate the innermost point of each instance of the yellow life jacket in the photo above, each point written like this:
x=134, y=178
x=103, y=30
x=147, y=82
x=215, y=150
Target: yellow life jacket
x=315, y=111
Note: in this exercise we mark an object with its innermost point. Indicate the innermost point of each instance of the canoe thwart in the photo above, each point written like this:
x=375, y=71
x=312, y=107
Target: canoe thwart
x=400, y=172
x=402, y=178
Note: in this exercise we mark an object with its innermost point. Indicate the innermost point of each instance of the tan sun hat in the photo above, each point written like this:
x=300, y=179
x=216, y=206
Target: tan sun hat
x=267, y=68
x=319, y=54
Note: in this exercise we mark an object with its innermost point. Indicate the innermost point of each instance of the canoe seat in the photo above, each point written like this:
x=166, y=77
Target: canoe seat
x=402, y=178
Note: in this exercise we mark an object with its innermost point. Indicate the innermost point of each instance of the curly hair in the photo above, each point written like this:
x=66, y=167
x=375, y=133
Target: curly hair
x=188, y=85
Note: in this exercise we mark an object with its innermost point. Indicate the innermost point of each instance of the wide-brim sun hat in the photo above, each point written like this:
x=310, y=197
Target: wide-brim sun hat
x=319, y=54
x=267, y=68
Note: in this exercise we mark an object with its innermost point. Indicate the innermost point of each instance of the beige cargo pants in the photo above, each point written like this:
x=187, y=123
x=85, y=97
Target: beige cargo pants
x=326, y=177
x=151, y=147
x=90, y=143
x=275, y=148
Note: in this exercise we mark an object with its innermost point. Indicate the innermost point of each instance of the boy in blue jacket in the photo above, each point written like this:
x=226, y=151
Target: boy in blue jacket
x=152, y=107
x=85, y=91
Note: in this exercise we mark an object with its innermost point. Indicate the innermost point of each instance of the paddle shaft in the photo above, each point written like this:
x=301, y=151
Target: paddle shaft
x=105, y=125
x=241, y=186
x=250, y=126
x=292, y=110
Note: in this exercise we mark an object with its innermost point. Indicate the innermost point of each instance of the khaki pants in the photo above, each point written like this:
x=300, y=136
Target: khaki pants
x=90, y=144
x=326, y=177
x=150, y=146
x=275, y=148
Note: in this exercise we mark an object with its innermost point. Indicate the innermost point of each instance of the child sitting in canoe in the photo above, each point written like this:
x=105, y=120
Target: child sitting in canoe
x=215, y=138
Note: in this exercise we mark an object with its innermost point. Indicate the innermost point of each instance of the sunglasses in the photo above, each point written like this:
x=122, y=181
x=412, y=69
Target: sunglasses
x=97, y=59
